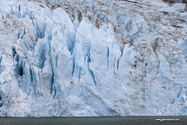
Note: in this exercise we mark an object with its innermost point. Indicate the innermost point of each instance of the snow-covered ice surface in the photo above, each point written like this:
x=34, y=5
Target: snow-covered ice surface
x=92, y=58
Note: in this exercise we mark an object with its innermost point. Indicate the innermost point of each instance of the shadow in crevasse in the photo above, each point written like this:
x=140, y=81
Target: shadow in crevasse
x=176, y=1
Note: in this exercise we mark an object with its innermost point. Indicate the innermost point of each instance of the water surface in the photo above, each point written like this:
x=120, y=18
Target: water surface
x=129, y=120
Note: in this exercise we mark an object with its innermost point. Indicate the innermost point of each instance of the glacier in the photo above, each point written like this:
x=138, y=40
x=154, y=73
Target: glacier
x=92, y=58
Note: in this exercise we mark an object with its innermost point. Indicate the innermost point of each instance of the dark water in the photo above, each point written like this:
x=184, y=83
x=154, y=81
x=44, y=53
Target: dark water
x=131, y=120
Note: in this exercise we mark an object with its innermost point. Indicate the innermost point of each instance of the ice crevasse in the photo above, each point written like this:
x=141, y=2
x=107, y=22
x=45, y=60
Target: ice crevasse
x=92, y=58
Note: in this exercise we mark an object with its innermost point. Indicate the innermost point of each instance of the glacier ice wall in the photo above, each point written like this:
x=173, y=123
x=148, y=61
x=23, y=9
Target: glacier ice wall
x=92, y=58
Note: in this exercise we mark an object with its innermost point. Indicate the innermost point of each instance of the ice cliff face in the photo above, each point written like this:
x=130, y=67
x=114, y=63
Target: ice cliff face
x=92, y=58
